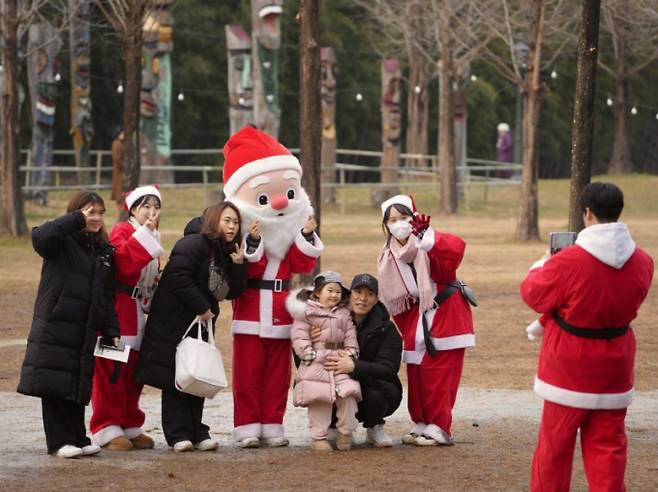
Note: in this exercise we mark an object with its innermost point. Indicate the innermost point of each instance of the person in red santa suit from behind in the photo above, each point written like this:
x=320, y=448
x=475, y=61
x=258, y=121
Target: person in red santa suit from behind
x=588, y=295
x=116, y=421
x=263, y=179
x=418, y=266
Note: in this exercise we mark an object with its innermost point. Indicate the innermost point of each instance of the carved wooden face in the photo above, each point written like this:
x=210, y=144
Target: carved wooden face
x=391, y=110
x=241, y=84
x=328, y=92
x=266, y=25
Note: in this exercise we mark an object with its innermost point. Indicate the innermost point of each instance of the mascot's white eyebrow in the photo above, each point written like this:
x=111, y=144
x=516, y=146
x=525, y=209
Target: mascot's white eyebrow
x=291, y=175
x=258, y=180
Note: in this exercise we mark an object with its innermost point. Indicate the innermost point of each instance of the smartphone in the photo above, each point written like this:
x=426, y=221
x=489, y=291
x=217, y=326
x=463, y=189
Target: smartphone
x=559, y=240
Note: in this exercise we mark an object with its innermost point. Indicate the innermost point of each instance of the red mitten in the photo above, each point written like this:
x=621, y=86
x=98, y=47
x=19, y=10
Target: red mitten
x=419, y=224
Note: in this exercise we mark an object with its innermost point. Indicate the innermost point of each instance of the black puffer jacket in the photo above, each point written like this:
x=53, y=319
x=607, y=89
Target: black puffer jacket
x=75, y=300
x=380, y=352
x=182, y=294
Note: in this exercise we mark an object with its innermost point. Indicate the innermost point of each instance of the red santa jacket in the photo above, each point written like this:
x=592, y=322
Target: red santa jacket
x=135, y=249
x=598, y=283
x=262, y=311
x=452, y=322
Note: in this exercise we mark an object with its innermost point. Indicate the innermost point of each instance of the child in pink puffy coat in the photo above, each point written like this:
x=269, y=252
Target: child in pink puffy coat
x=326, y=308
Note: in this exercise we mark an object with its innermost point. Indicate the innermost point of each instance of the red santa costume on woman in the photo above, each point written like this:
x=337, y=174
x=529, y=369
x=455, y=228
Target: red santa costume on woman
x=585, y=375
x=263, y=179
x=115, y=395
x=433, y=380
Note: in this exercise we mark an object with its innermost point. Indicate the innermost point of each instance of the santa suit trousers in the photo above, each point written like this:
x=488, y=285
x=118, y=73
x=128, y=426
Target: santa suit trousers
x=116, y=404
x=261, y=379
x=433, y=387
x=603, y=442
x=320, y=414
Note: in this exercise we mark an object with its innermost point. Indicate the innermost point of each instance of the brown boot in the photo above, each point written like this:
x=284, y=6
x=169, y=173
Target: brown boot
x=344, y=442
x=321, y=445
x=121, y=443
x=142, y=442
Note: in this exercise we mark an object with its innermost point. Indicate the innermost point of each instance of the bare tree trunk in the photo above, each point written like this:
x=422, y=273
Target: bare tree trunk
x=310, y=127
x=583, y=113
x=417, y=112
x=528, y=225
x=132, y=53
x=620, y=161
x=328, y=103
x=449, y=198
x=13, y=219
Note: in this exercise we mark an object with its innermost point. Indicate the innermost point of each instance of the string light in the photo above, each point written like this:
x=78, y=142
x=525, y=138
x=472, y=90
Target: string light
x=633, y=110
x=608, y=101
x=359, y=97
x=417, y=89
x=58, y=77
x=181, y=96
x=474, y=78
x=270, y=98
x=657, y=116
x=120, y=88
x=554, y=75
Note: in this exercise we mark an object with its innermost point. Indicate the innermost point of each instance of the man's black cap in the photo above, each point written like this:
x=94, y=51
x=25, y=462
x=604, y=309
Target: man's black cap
x=367, y=280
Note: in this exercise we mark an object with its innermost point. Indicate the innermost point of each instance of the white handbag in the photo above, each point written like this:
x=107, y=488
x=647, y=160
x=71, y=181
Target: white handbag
x=199, y=366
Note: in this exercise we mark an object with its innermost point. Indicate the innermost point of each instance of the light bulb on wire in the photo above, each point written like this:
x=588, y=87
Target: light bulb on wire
x=58, y=77
x=120, y=88
x=608, y=102
x=474, y=78
x=633, y=110
x=359, y=97
x=554, y=75
x=181, y=96
x=417, y=89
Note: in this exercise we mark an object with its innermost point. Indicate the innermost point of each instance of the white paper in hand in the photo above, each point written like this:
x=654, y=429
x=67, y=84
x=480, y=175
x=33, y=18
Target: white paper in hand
x=120, y=353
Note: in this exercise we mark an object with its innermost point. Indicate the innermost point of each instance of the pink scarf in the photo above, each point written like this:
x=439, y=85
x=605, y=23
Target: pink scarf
x=394, y=292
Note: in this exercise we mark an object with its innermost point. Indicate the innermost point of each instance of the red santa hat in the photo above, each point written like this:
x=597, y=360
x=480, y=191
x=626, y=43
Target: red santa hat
x=251, y=152
x=140, y=191
x=405, y=200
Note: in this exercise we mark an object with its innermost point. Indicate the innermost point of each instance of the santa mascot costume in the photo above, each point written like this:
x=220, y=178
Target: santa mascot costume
x=263, y=179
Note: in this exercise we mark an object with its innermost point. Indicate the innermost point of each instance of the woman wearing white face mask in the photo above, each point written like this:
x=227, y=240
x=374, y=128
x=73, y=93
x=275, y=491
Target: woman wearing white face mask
x=418, y=271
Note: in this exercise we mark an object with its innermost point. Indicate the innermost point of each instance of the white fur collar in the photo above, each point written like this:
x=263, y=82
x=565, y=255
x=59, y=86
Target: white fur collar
x=610, y=243
x=295, y=305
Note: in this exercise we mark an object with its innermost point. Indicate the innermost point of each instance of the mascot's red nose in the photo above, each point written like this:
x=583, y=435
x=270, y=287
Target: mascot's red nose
x=279, y=202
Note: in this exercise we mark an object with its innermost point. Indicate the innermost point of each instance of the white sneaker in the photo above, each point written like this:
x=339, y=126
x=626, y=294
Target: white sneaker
x=434, y=433
x=344, y=442
x=183, y=446
x=249, y=442
x=90, y=450
x=207, y=445
x=377, y=437
x=409, y=438
x=274, y=442
x=69, y=451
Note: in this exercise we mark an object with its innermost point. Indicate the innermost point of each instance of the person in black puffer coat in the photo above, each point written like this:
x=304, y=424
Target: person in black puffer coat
x=380, y=352
x=75, y=300
x=183, y=295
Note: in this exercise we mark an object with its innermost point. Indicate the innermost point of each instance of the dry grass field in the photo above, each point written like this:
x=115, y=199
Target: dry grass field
x=494, y=265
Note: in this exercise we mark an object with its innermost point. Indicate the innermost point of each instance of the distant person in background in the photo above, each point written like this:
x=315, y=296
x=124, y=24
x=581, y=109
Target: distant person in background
x=504, y=149
x=118, y=159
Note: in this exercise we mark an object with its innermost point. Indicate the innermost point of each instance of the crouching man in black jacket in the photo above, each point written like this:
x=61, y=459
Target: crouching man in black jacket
x=380, y=349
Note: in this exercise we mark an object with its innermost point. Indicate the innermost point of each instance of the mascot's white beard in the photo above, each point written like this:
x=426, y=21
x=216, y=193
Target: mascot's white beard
x=277, y=232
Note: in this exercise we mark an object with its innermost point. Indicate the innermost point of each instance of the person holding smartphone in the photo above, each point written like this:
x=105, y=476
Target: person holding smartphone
x=588, y=296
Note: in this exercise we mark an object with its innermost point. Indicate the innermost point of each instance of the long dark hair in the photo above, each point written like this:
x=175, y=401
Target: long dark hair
x=83, y=198
x=402, y=209
x=211, y=217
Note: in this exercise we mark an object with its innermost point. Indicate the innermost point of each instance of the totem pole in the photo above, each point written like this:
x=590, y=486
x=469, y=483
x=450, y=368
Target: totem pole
x=81, y=123
x=391, y=129
x=42, y=68
x=266, y=34
x=240, y=82
x=155, y=98
x=328, y=100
